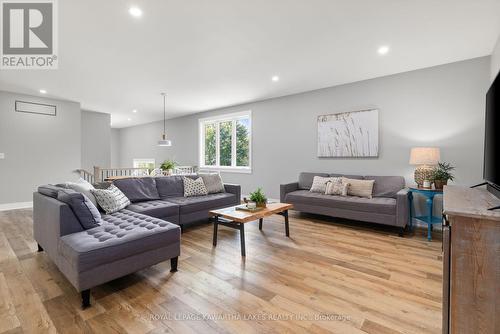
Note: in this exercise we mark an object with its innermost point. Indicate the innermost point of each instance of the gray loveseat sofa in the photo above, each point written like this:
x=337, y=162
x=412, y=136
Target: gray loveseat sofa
x=143, y=234
x=389, y=205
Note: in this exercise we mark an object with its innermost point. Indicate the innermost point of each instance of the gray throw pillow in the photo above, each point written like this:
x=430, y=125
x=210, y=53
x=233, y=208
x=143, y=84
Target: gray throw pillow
x=84, y=210
x=213, y=182
x=83, y=187
x=194, y=187
x=111, y=200
x=49, y=190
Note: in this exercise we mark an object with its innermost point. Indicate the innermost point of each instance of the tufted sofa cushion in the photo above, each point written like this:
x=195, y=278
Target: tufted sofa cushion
x=157, y=209
x=122, y=234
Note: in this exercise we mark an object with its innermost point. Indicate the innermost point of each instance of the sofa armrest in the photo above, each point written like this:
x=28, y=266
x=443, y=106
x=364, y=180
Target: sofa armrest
x=287, y=188
x=52, y=219
x=402, y=207
x=234, y=189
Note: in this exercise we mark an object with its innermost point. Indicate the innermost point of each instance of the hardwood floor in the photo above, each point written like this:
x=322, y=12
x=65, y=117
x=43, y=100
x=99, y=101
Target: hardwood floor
x=328, y=277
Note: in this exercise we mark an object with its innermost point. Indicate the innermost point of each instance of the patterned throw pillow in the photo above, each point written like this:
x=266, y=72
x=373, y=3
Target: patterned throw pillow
x=194, y=187
x=336, y=187
x=319, y=184
x=111, y=200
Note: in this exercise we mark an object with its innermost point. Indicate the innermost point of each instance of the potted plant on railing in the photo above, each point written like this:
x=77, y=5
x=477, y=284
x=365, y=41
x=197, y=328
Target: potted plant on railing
x=168, y=166
x=441, y=174
x=259, y=198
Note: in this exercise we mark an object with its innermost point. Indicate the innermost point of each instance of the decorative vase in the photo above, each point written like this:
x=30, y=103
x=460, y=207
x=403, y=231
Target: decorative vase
x=251, y=205
x=423, y=173
x=439, y=184
x=261, y=204
x=169, y=172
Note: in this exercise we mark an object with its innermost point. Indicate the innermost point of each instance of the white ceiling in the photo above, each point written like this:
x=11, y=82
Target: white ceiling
x=217, y=53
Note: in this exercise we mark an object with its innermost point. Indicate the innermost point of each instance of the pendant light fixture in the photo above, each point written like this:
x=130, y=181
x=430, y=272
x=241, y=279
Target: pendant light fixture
x=164, y=141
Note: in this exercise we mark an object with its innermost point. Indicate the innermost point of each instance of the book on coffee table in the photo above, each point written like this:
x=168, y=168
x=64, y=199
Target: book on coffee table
x=244, y=207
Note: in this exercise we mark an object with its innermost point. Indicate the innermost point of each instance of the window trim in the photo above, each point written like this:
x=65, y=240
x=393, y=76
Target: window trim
x=217, y=120
x=147, y=160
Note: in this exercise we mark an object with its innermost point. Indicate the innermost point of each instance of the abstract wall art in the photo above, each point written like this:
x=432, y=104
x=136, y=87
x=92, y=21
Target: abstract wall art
x=348, y=135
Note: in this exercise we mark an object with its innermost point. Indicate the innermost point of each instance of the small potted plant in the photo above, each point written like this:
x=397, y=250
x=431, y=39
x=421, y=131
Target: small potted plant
x=168, y=166
x=259, y=198
x=441, y=174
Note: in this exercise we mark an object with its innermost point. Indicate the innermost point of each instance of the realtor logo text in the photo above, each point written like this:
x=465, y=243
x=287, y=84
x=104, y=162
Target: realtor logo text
x=29, y=34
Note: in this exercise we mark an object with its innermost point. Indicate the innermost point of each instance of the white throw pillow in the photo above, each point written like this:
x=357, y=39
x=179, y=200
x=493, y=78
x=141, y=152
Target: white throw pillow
x=111, y=200
x=361, y=188
x=336, y=187
x=319, y=184
x=194, y=187
x=83, y=187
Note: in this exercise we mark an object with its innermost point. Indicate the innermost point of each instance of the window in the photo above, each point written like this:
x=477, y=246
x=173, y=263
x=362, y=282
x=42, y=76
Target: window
x=145, y=163
x=225, y=142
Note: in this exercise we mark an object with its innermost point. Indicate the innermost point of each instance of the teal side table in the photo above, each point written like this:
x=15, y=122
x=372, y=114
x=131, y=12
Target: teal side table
x=428, y=219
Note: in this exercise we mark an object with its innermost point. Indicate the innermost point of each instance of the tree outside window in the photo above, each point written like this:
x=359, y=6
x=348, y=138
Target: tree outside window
x=226, y=142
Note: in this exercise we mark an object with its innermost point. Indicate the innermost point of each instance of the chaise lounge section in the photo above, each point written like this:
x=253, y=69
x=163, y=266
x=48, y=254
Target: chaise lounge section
x=388, y=206
x=124, y=243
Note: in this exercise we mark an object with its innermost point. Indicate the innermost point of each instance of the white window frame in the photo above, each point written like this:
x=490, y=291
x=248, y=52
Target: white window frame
x=234, y=117
x=148, y=161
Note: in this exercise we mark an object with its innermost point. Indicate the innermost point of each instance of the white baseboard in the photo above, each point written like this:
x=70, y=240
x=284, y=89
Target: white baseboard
x=14, y=206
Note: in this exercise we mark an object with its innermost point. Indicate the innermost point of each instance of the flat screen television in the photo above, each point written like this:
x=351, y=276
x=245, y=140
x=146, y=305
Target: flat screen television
x=491, y=171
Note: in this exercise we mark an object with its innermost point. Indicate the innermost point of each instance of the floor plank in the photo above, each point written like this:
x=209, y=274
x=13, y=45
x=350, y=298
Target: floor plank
x=330, y=276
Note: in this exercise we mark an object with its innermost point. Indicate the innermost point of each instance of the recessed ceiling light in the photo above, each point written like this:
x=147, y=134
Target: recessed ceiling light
x=129, y=119
x=135, y=11
x=383, y=50
x=134, y=111
x=275, y=78
x=43, y=91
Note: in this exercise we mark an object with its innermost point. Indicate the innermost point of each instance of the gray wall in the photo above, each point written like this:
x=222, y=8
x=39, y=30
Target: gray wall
x=440, y=106
x=96, y=140
x=39, y=149
x=495, y=60
x=115, y=148
x=140, y=142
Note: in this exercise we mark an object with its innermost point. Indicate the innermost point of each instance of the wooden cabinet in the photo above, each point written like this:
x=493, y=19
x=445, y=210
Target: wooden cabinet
x=471, y=261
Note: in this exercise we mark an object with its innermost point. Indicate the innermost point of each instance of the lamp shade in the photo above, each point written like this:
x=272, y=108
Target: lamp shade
x=424, y=156
x=164, y=142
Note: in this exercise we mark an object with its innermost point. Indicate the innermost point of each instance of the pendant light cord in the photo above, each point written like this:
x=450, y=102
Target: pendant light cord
x=164, y=114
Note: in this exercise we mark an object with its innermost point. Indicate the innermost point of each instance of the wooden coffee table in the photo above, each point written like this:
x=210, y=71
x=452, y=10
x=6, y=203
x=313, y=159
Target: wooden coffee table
x=237, y=219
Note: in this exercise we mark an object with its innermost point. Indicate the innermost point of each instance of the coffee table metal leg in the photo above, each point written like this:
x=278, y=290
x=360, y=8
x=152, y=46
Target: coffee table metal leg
x=242, y=238
x=260, y=223
x=287, y=229
x=216, y=224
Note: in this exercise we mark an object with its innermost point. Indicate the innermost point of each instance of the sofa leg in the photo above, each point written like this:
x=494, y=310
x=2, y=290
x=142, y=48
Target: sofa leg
x=85, y=298
x=40, y=249
x=173, y=264
x=182, y=228
x=401, y=231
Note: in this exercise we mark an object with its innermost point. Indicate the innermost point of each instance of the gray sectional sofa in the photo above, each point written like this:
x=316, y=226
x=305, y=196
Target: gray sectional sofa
x=388, y=206
x=145, y=233
x=163, y=197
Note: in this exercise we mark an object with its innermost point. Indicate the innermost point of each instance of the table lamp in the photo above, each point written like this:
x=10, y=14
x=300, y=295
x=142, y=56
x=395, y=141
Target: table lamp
x=424, y=158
